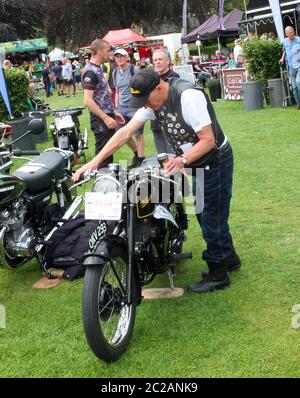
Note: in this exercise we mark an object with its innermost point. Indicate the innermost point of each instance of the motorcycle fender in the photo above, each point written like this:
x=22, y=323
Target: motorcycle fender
x=101, y=253
x=161, y=212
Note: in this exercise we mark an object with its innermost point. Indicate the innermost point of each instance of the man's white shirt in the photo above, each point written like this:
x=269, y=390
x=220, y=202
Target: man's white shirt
x=194, y=110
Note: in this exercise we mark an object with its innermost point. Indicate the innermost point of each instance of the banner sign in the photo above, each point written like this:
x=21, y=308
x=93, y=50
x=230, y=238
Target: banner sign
x=276, y=11
x=220, y=14
x=232, y=82
x=3, y=91
x=185, y=72
x=23, y=46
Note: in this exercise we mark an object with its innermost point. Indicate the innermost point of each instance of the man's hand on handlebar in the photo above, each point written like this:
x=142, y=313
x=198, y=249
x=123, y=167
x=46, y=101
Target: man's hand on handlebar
x=78, y=174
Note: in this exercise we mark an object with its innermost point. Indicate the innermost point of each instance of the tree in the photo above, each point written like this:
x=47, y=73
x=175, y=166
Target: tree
x=72, y=23
x=21, y=19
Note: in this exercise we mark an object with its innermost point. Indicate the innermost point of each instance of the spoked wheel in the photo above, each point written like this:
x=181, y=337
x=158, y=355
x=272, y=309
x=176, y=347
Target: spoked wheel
x=108, y=319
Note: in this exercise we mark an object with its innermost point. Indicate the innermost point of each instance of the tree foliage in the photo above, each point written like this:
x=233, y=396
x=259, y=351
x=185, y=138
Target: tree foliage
x=76, y=22
x=22, y=19
x=73, y=23
x=262, y=57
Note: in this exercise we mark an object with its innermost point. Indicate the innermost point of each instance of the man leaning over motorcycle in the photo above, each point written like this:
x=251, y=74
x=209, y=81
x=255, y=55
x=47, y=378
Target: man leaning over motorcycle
x=198, y=141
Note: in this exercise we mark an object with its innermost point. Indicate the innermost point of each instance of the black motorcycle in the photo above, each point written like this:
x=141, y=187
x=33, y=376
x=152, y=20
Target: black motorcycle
x=140, y=235
x=34, y=201
x=66, y=133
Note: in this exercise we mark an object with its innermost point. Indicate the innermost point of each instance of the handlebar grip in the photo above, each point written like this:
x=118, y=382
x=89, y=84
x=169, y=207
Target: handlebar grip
x=21, y=152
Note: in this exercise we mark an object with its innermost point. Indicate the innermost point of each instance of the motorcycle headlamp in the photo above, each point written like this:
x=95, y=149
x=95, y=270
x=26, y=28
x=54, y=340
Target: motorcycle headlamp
x=107, y=184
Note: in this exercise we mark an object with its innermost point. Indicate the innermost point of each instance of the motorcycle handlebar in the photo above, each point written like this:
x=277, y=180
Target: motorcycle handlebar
x=21, y=152
x=67, y=109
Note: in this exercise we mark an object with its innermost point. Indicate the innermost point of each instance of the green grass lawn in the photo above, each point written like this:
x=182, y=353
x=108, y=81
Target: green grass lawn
x=243, y=331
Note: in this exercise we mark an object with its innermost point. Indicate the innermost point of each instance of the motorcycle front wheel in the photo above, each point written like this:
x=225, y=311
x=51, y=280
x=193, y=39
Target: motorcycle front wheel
x=108, y=319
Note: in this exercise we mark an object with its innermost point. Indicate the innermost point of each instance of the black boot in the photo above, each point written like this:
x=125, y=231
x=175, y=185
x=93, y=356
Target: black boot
x=136, y=161
x=232, y=263
x=216, y=278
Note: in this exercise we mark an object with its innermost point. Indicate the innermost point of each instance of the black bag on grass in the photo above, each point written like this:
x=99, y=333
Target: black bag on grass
x=68, y=244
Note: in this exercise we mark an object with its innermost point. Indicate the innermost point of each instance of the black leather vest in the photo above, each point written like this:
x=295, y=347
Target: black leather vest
x=176, y=131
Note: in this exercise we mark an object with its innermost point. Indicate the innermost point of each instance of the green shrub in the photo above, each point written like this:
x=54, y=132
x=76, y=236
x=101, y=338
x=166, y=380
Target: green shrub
x=262, y=58
x=17, y=85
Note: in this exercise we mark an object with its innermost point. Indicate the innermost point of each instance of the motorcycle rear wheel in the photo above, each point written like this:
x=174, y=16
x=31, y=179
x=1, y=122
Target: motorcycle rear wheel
x=108, y=321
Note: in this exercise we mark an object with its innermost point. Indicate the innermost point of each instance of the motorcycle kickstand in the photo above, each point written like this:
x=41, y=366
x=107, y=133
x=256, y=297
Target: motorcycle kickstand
x=171, y=274
x=49, y=276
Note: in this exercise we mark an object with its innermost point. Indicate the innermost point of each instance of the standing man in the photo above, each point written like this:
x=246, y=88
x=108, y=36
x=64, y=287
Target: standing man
x=291, y=54
x=198, y=141
x=67, y=75
x=121, y=77
x=57, y=70
x=162, y=63
x=104, y=119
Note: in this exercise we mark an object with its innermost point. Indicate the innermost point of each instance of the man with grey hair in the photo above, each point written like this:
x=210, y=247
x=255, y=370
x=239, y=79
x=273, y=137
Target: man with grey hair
x=161, y=62
x=291, y=55
x=104, y=119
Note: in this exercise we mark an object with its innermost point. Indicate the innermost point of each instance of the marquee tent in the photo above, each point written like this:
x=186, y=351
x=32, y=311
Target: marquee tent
x=209, y=30
x=259, y=17
x=123, y=36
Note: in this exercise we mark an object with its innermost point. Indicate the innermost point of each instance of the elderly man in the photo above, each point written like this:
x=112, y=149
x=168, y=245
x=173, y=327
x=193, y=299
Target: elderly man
x=291, y=55
x=161, y=63
x=198, y=141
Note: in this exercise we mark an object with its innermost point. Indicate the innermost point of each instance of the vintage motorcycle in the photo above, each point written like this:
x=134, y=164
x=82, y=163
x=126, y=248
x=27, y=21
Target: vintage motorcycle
x=140, y=235
x=66, y=133
x=34, y=201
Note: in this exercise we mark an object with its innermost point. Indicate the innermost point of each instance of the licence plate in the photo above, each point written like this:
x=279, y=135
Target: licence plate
x=100, y=206
x=64, y=122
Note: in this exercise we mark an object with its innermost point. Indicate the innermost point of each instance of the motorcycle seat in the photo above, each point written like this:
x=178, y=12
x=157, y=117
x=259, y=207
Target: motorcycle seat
x=75, y=113
x=39, y=173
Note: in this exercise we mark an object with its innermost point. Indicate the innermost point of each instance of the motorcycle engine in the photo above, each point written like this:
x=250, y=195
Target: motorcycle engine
x=19, y=236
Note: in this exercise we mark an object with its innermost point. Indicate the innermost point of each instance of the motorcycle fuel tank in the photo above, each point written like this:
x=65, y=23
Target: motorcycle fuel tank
x=10, y=188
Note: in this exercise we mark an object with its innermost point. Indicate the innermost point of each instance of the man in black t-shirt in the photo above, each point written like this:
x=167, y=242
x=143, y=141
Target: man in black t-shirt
x=104, y=118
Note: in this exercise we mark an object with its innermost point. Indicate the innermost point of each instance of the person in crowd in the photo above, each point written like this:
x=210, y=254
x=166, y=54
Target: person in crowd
x=231, y=61
x=225, y=50
x=250, y=36
x=165, y=48
x=121, y=80
x=291, y=55
x=67, y=75
x=203, y=72
x=73, y=78
x=143, y=63
x=162, y=64
x=7, y=64
x=132, y=59
x=237, y=50
x=198, y=141
x=46, y=79
x=104, y=119
x=272, y=36
x=38, y=67
x=57, y=70
x=77, y=74
x=240, y=62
